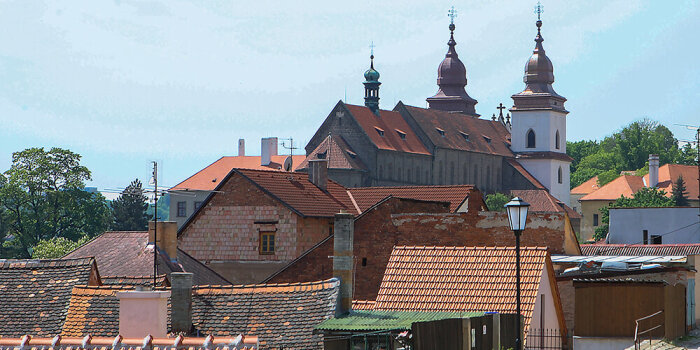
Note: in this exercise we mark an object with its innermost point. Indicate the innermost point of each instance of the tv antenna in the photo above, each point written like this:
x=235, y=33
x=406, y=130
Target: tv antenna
x=155, y=223
x=289, y=162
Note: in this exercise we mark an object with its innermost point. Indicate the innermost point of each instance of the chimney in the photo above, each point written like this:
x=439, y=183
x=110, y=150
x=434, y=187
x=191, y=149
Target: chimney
x=653, y=170
x=268, y=148
x=318, y=173
x=181, y=302
x=167, y=237
x=241, y=147
x=343, y=260
x=142, y=313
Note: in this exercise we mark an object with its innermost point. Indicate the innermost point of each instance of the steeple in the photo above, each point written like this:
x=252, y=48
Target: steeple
x=539, y=76
x=452, y=78
x=372, y=85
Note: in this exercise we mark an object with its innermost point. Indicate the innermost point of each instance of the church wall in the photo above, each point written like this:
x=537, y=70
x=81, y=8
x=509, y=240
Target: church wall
x=514, y=180
x=546, y=171
x=400, y=169
x=545, y=125
x=453, y=167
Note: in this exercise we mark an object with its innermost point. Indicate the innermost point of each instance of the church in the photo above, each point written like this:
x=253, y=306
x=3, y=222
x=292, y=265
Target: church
x=448, y=143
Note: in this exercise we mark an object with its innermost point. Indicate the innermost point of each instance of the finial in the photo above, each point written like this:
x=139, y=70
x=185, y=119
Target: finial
x=493, y=117
x=539, y=9
x=452, y=13
x=371, y=55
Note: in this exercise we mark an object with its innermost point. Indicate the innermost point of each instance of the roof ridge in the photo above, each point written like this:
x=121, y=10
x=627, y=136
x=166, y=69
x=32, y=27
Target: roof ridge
x=411, y=186
x=44, y=263
x=424, y=247
x=195, y=174
x=270, y=287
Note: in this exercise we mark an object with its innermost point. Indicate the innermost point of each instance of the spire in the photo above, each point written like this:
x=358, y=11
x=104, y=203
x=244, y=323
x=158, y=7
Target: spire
x=372, y=84
x=452, y=78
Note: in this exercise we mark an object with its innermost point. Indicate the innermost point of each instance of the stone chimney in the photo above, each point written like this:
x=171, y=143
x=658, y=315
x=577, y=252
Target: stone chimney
x=241, y=147
x=318, y=173
x=167, y=237
x=142, y=313
x=343, y=260
x=268, y=148
x=653, y=170
x=181, y=302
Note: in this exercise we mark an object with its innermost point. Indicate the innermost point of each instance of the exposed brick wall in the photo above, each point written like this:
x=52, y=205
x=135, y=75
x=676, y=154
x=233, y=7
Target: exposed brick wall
x=567, y=294
x=378, y=231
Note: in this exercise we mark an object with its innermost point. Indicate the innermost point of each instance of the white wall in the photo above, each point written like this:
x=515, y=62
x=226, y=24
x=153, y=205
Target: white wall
x=545, y=171
x=189, y=197
x=545, y=123
x=627, y=225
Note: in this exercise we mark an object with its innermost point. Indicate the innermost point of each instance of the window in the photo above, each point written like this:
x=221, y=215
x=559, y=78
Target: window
x=487, y=139
x=402, y=134
x=465, y=136
x=364, y=261
x=441, y=132
x=645, y=236
x=322, y=155
x=181, y=209
x=556, y=140
x=530, y=139
x=559, y=177
x=379, y=131
x=656, y=239
x=197, y=205
x=267, y=242
x=595, y=219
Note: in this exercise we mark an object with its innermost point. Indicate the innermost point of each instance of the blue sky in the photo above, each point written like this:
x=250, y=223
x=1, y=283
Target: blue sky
x=127, y=82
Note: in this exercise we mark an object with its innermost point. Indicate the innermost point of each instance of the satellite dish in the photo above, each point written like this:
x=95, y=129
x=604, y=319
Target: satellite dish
x=288, y=163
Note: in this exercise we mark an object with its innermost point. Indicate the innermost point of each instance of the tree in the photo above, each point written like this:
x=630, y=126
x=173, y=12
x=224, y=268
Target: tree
x=56, y=247
x=496, y=201
x=44, y=198
x=129, y=209
x=679, y=194
x=637, y=141
x=579, y=150
x=644, y=198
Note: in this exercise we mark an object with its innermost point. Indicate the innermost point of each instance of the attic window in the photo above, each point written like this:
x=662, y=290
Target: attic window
x=351, y=154
x=322, y=155
x=379, y=131
x=402, y=134
x=441, y=132
x=487, y=139
x=466, y=136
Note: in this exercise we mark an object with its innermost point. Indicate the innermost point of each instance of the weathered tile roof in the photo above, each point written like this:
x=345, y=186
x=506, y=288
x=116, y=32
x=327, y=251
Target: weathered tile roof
x=337, y=152
x=28, y=342
x=299, y=194
x=366, y=197
x=469, y=279
x=132, y=281
x=124, y=253
x=94, y=311
x=208, y=178
x=669, y=173
x=34, y=294
x=587, y=187
x=385, y=130
x=624, y=185
x=641, y=249
x=372, y=320
x=543, y=201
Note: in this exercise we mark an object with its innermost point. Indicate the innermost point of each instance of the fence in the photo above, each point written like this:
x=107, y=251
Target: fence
x=652, y=323
x=548, y=339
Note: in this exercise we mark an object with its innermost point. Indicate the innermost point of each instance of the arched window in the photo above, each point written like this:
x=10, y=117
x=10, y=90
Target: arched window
x=559, y=175
x=530, y=139
x=556, y=140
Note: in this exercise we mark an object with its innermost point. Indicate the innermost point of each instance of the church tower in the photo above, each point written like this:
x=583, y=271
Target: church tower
x=372, y=87
x=538, y=134
x=452, y=78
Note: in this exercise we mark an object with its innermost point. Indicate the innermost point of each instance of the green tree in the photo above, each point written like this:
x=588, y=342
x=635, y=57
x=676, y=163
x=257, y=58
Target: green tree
x=687, y=155
x=496, y=201
x=644, y=198
x=679, y=194
x=129, y=209
x=637, y=141
x=579, y=150
x=44, y=198
x=56, y=247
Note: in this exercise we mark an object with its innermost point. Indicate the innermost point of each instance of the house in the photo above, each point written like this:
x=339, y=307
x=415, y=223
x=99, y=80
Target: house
x=581, y=190
x=671, y=225
x=34, y=294
x=397, y=222
x=461, y=198
x=126, y=257
x=189, y=194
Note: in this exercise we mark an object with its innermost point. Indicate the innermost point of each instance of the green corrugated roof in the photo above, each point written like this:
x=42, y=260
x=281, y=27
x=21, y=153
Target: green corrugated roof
x=370, y=320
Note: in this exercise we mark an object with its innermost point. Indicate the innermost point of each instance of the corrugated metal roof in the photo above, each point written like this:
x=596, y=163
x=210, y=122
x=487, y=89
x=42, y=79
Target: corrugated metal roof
x=620, y=258
x=372, y=320
x=640, y=249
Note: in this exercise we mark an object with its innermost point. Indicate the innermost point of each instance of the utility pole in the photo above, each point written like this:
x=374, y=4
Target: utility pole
x=155, y=224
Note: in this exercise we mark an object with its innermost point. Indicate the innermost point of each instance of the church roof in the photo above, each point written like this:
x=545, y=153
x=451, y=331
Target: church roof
x=337, y=152
x=459, y=131
x=388, y=131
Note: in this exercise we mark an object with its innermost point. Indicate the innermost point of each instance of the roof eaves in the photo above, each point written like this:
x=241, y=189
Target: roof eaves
x=205, y=202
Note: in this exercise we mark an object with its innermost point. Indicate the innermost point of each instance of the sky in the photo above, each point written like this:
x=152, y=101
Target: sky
x=124, y=83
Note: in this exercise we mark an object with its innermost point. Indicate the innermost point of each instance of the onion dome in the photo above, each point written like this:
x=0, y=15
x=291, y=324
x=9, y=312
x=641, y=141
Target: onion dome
x=371, y=75
x=372, y=87
x=539, y=69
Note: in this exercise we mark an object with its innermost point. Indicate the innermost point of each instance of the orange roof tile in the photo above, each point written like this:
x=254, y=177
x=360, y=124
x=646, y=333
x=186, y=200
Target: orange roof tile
x=389, y=123
x=363, y=305
x=366, y=197
x=543, y=201
x=669, y=173
x=208, y=178
x=586, y=187
x=470, y=279
x=624, y=185
x=337, y=152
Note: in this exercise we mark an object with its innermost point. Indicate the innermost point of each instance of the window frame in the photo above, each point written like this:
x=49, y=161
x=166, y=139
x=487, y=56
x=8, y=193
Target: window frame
x=264, y=242
x=181, y=211
x=527, y=139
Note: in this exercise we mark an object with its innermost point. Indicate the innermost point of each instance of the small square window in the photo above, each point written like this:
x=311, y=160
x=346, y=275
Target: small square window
x=181, y=209
x=267, y=242
x=487, y=139
x=197, y=205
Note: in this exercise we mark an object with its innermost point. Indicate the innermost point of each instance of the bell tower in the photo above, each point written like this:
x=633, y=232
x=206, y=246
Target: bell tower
x=538, y=134
x=372, y=85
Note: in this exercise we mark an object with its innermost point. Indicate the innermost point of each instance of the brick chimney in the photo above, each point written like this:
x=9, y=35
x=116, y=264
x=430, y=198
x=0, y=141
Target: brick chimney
x=653, y=170
x=142, y=313
x=181, y=302
x=167, y=237
x=241, y=147
x=318, y=173
x=268, y=148
x=343, y=260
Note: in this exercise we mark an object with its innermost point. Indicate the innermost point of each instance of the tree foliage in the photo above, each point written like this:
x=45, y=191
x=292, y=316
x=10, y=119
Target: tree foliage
x=496, y=201
x=679, y=194
x=129, y=209
x=644, y=198
x=56, y=247
x=43, y=198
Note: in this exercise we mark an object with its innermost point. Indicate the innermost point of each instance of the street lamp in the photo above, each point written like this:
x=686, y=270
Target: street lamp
x=517, y=216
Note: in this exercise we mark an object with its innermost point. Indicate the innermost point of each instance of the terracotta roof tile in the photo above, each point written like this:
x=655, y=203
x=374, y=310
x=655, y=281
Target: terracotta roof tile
x=363, y=304
x=337, y=152
x=34, y=294
x=208, y=178
x=641, y=249
x=543, y=201
x=366, y=197
x=28, y=342
x=669, y=173
x=470, y=279
x=389, y=122
x=586, y=187
x=624, y=185
x=132, y=281
x=94, y=311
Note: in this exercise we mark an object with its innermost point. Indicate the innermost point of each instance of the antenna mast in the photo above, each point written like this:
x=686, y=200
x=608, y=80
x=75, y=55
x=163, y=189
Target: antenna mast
x=291, y=149
x=155, y=224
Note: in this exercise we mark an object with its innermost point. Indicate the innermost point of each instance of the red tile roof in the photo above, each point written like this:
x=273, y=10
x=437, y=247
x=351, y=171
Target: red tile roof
x=586, y=187
x=641, y=249
x=363, y=304
x=625, y=185
x=119, y=342
x=366, y=197
x=390, y=123
x=299, y=194
x=543, y=201
x=337, y=152
x=485, y=136
x=669, y=173
x=208, y=178
x=519, y=168
x=470, y=279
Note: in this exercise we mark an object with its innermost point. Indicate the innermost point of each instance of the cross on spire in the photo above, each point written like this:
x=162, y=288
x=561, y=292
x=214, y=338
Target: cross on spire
x=500, y=108
x=539, y=9
x=452, y=13
x=371, y=48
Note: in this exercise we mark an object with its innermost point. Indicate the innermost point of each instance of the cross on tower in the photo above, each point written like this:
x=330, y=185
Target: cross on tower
x=371, y=48
x=539, y=9
x=452, y=13
x=500, y=108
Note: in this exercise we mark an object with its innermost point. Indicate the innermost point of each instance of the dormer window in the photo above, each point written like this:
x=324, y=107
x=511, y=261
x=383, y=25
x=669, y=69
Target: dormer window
x=402, y=134
x=322, y=155
x=465, y=136
x=487, y=139
x=440, y=131
x=379, y=131
x=351, y=154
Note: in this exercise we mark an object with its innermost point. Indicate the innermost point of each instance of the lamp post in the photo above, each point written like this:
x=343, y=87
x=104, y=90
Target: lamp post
x=517, y=216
